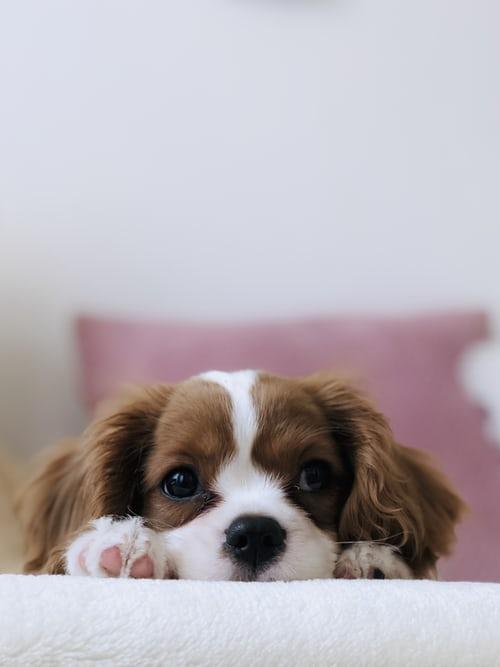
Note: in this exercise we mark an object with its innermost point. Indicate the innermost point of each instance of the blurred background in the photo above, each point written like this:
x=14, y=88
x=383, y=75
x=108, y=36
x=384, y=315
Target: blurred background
x=236, y=161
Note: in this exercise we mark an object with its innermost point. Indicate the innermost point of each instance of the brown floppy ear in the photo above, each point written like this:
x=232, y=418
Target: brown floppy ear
x=99, y=474
x=115, y=450
x=397, y=496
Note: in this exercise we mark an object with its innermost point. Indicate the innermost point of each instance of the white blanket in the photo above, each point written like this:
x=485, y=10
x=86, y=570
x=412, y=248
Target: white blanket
x=78, y=621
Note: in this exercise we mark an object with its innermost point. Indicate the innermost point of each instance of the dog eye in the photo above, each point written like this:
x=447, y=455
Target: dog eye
x=180, y=483
x=314, y=476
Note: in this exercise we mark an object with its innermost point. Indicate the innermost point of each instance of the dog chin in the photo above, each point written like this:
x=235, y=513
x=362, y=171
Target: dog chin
x=275, y=572
x=282, y=571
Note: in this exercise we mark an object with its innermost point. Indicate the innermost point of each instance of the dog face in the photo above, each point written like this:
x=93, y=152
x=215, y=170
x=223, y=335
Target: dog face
x=257, y=477
x=246, y=471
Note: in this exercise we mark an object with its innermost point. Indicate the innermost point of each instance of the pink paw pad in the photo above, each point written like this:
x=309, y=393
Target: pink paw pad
x=143, y=568
x=111, y=561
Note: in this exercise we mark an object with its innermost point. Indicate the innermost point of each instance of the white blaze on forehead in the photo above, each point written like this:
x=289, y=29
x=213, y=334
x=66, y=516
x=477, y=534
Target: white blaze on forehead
x=239, y=387
x=240, y=481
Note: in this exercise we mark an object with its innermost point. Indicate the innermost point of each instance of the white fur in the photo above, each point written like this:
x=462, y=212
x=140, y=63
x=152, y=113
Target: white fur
x=132, y=538
x=197, y=547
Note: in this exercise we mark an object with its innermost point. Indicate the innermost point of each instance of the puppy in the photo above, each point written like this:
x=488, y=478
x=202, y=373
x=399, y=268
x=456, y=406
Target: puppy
x=240, y=476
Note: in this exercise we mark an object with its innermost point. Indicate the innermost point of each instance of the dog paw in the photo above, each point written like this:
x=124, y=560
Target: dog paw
x=371, y=561
x=118, y=548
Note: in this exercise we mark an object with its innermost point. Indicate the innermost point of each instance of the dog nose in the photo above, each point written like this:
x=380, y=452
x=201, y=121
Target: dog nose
x=255, y=540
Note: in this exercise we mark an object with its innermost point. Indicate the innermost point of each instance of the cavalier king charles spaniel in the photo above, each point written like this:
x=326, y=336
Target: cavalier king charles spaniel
x=241, y=476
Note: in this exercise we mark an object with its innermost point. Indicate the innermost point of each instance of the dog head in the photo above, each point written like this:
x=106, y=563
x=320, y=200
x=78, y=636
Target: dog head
x=258, y=477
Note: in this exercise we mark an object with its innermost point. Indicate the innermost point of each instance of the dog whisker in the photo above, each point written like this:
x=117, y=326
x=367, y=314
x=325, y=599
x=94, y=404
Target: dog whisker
x=381, y=540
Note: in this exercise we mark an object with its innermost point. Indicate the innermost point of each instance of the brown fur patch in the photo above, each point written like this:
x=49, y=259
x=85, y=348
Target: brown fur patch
x=293, y=430
x=196, y=431
x=84, y=479
x=397, y=496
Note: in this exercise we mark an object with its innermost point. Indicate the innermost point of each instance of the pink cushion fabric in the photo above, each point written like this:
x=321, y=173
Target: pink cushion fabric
x=408, y=365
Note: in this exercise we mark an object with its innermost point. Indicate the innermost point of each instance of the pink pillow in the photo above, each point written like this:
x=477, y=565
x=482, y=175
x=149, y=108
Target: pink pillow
x=408, y=365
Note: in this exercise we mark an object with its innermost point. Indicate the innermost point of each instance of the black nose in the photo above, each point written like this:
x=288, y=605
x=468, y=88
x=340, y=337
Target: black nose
x=255, y=540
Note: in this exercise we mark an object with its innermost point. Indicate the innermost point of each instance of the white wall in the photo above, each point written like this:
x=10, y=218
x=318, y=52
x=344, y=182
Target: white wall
x=236, y=158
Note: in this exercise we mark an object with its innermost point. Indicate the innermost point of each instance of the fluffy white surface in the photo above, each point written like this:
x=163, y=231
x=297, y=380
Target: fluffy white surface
x=72, y=620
